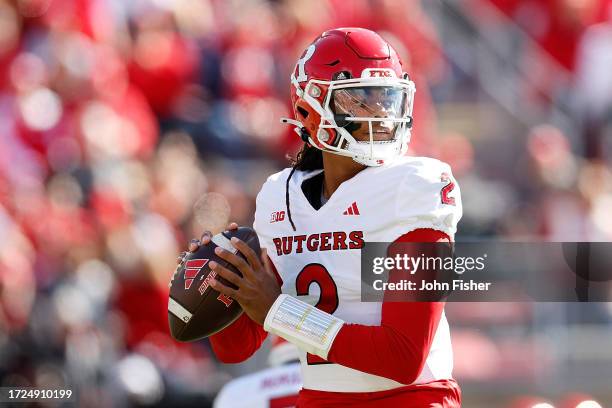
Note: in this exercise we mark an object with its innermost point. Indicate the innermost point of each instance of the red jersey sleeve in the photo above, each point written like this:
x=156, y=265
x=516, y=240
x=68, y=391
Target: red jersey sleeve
x=241, y=339
x=238, y=341
x=398, y=348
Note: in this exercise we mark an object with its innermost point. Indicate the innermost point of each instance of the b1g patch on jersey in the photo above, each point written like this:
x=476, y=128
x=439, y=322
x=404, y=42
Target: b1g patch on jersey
x=324, y=241
x=277, y=216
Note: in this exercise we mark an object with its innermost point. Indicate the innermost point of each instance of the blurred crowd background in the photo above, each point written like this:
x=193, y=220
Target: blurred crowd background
x=128, y=127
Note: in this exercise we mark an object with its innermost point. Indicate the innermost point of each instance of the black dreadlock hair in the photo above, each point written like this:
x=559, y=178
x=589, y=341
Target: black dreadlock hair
x=308, y=158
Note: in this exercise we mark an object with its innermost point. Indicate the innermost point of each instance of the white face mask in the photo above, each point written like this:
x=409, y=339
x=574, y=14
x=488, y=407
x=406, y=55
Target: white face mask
x=377, y=119
x=371, y=116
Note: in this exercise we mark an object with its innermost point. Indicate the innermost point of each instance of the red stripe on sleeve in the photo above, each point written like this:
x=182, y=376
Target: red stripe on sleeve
x=238, y=341
x=398, y=348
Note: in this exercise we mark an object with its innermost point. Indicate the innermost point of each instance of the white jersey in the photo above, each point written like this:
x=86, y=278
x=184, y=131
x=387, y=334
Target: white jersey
x=275, y=387
x=379, y=204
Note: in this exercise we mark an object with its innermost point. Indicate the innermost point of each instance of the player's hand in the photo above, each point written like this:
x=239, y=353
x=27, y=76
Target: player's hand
x=195, y=243
x=257, y=288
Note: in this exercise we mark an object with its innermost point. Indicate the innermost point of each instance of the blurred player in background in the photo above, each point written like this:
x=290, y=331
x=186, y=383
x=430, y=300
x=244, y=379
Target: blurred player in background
x=350, y=184
x=274, y=387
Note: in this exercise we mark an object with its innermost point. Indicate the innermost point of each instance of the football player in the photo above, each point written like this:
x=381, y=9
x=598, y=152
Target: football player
x=350, y=183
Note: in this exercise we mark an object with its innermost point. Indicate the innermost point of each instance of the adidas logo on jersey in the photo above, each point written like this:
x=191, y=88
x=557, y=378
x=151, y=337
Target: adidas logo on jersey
x=352, y=210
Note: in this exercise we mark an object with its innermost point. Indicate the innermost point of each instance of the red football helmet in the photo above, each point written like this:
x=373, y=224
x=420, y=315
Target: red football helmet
x=351, y=97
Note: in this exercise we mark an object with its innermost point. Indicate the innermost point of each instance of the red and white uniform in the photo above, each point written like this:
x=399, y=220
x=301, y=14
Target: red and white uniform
x=389, y=353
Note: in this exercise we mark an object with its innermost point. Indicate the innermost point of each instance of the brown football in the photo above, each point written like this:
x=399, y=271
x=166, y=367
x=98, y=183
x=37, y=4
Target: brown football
x=196, y=310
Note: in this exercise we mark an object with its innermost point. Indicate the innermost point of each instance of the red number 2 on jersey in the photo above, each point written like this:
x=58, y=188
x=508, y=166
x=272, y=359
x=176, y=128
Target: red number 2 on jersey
x=446, y=190
x=328, y=299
